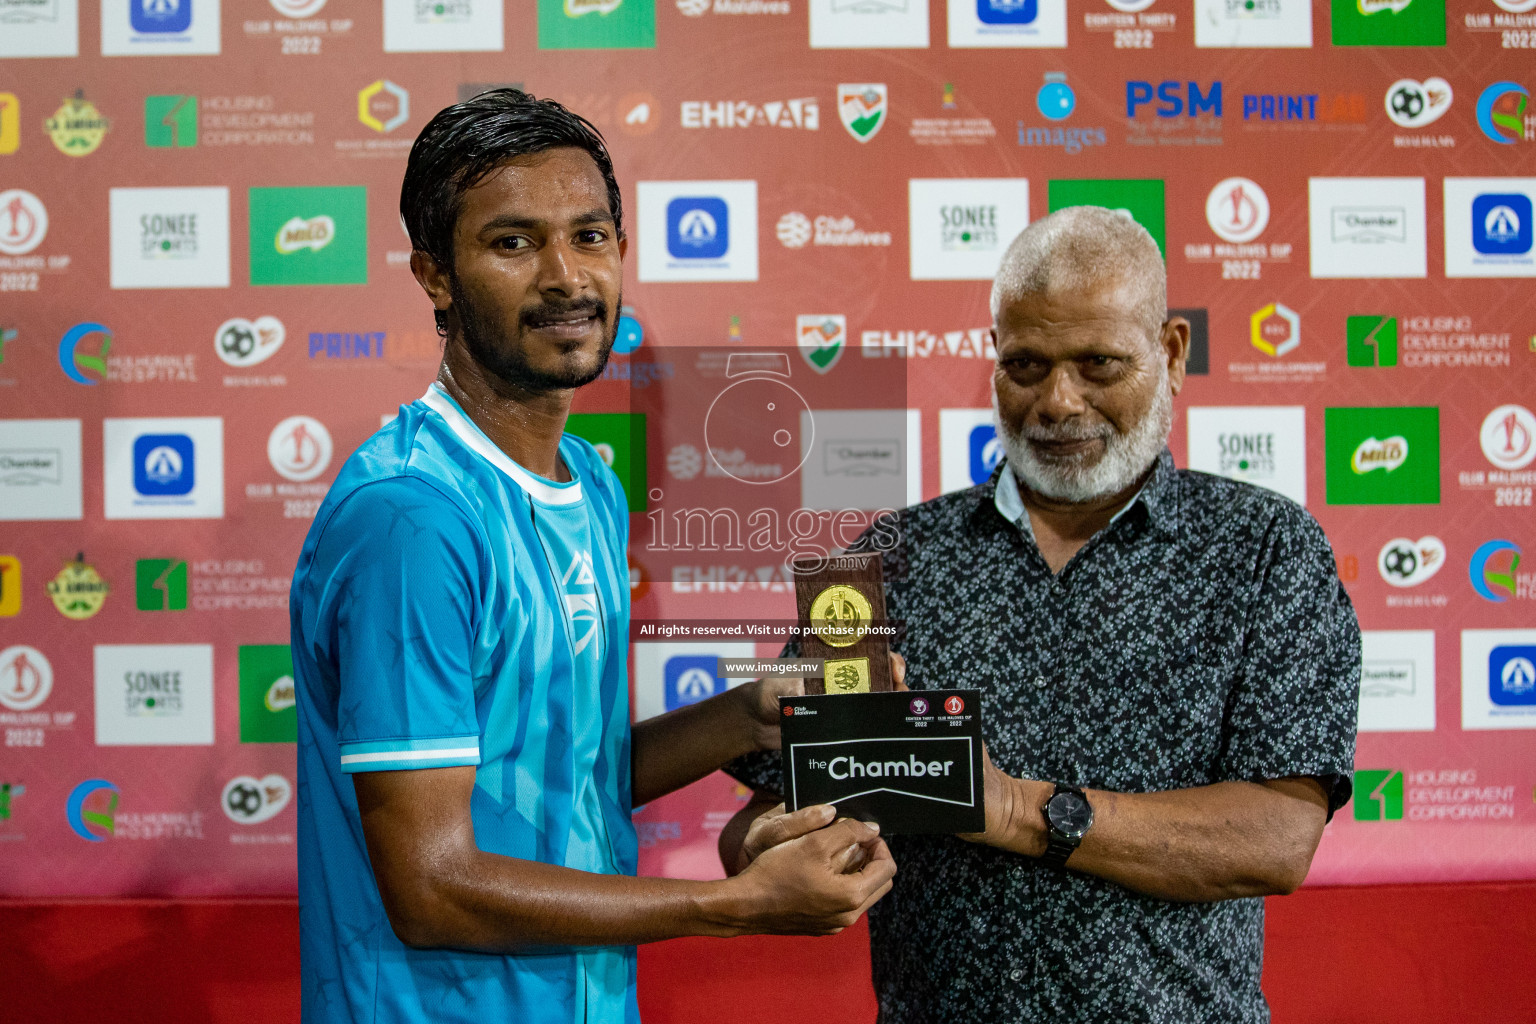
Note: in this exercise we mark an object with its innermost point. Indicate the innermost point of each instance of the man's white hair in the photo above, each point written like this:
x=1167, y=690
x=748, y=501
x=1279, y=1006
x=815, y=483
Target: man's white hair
x=1081, y=246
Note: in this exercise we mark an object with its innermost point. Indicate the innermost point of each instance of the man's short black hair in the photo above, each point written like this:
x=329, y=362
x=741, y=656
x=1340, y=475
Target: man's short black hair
x=467, y=141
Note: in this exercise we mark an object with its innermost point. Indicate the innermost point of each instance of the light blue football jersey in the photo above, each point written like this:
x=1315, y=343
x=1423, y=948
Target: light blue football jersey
x=452, y=608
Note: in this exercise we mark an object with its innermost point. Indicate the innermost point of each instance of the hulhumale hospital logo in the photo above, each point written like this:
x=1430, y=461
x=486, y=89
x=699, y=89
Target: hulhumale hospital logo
x=1493, y=570
x=1501, y=112
x=92, y=810
x=85, y=363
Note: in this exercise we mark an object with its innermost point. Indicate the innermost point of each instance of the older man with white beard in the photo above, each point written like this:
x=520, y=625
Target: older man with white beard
x=1170, y=670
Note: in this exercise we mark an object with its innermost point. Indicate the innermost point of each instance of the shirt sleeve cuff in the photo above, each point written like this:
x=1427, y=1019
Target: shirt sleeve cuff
x=403, y=755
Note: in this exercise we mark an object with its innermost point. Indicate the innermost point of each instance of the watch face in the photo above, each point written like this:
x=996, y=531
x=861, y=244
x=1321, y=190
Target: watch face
x=1070, y=814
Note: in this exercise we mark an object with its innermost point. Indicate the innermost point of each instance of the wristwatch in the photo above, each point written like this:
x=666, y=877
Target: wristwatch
x=1068, y=816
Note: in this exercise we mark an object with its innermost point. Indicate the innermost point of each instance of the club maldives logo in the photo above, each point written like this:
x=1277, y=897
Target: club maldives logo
x=1501, y=113
x=92, y=809
x=26, y=678
x=23, y=222
x=862, y=109
x=1508, y=437
x=1493, y=570
x=1237, y=210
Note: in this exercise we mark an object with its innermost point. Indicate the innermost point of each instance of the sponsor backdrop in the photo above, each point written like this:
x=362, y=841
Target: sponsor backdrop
x=206, y=305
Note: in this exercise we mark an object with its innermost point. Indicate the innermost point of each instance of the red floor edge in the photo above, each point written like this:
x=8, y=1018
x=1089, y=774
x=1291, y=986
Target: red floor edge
x=1436, y=954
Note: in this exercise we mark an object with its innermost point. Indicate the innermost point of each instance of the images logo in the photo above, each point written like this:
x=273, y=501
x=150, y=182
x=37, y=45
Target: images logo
x=698, y=228
x=23, y=222
x=1494, y=576
x=299, y=448
x=1512, y=676
x=862, y=109
x=160, y=585
x=1508, y=437
x=1378, y=795
x=267, y=699
x=1055, y=100
x=690, y=678
x=822, y=337
x=170, y=122
x=164, y=465
x=315, y=235
x=251, y=801
x=1413, y=104
x=78, y=591
x=1382, y=456
x=10, y=123
x=1407, y=563
x=1501, y=224
x=241, y=342
x=383, y=106
x=1237, y=210
x=10, y=586
x=26, y=678
x=75, y=363
x=160, y=16
x=92, y=809
x=1371, y=340
x=1275, y=330
x=1501, y=112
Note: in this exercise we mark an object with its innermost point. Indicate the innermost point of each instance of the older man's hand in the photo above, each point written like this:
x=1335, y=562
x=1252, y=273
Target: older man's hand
x=764, y=701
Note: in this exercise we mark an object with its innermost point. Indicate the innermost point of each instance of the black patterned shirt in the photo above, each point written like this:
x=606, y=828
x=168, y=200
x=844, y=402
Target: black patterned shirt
x=1203, y=636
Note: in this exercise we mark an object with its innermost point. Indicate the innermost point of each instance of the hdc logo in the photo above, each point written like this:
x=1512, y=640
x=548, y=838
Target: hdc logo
x=690, y=678
x=164, y=464
x=1378, y=795
x=698, y=228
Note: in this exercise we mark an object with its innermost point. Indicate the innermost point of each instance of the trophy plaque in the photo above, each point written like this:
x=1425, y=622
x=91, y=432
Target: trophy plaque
x=841, y=601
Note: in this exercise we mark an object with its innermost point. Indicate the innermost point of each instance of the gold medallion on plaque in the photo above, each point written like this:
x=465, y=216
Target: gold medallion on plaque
x=840, y=615
x=848, y=676
x=78, y=591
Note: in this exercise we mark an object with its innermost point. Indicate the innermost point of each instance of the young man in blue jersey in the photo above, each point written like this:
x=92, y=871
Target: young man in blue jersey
x=460, y=632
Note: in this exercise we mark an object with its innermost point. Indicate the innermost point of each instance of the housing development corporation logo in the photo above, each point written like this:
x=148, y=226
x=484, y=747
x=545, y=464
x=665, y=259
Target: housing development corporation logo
x=91, y=809
x=1371, y=340
x=170, y=122
x=160, y=585
x=1378, y=795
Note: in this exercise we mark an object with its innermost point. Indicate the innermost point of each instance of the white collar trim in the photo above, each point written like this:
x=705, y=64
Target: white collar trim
x=546, y=491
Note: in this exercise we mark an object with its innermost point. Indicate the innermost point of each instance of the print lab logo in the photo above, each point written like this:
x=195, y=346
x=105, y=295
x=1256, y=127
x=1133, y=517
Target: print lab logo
x=1508, y=437
x=91, y=809
x=1237, y=210
x=1494, y=571
x=1501, y=113
x=23, y=222
x=1404, y=562
x=1414, y=104
x=299, y=448
x=26, y=678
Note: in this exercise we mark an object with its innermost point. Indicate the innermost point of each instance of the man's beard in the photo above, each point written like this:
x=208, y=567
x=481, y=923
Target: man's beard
x=509, y=364
x=1126, y=456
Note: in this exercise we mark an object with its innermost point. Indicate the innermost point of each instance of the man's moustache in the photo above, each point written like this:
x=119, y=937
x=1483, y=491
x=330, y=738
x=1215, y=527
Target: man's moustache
x=551, y=311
